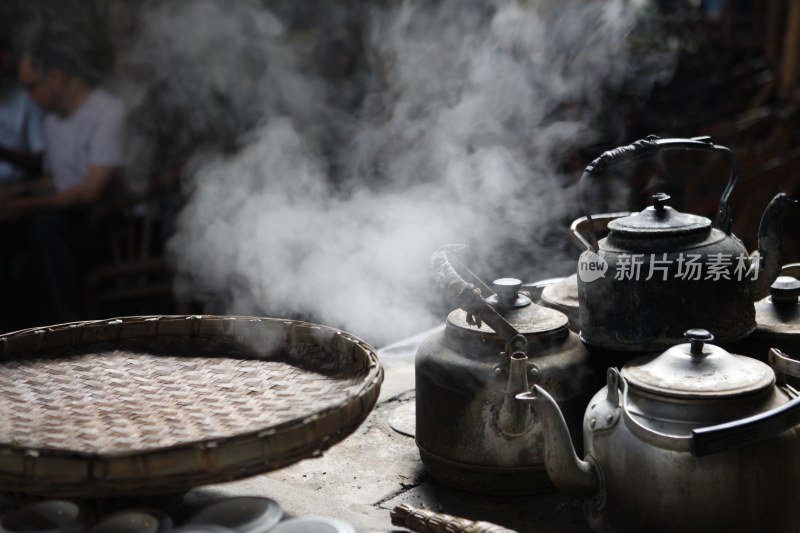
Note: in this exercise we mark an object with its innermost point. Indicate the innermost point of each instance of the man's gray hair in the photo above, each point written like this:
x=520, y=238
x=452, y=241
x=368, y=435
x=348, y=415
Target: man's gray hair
x=74, y=52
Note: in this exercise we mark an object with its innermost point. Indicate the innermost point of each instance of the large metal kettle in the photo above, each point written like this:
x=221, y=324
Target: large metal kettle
x=471, y=432
x=695, y=439
x=660, y=272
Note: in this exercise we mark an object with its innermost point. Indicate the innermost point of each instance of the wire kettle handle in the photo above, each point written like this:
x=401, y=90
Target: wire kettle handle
x=649, y=146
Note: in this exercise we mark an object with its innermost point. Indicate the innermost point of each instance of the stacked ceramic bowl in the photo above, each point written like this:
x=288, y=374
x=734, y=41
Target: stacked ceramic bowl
x=258, y=515
x=244, y=514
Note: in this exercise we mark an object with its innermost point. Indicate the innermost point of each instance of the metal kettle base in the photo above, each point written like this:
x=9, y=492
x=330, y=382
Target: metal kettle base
x=486, y=479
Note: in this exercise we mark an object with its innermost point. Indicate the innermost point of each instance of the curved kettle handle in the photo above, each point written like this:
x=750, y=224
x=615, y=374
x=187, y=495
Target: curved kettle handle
x=792, y=269
x=576, y=229
x=722, y=437
x=468, y=296
x=649, y=146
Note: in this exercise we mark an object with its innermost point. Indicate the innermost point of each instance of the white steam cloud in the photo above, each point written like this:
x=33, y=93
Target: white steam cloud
x=331, y=210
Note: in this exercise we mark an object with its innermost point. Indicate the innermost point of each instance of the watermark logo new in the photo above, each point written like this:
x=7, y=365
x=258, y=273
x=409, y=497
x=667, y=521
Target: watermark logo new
x=591, y=267
x=661, y=267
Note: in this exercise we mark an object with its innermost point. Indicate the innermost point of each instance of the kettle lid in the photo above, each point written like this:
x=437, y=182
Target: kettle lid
x=698, y=370
x=517, y=309
x=659, y=220
x=779, y=313
x=785, y=290
x=531, y=320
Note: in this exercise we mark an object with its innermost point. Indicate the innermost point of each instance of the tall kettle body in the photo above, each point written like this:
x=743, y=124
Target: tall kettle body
x=471, y=431
x=461, y=387
x=650, y=487
x=654, y=290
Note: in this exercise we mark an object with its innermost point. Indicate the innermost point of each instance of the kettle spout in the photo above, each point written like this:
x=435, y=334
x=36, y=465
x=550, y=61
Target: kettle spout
x=567, y=472
x=770, y=244
x=515, y=416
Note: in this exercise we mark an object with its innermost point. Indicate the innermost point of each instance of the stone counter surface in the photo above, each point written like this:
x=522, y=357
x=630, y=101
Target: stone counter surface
x=377, y=467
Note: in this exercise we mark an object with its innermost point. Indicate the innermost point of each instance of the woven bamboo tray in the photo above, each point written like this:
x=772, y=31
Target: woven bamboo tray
x=161, y=404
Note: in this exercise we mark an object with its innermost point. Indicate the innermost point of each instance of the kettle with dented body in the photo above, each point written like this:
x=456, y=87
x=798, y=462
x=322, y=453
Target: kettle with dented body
x=471, y=432
x=695, y=439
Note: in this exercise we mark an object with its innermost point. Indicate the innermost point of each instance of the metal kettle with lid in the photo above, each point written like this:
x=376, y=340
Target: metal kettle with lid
x=660, y=272
x=777, y=319
x=695, y=439
x=471, y=432
x=778, y=315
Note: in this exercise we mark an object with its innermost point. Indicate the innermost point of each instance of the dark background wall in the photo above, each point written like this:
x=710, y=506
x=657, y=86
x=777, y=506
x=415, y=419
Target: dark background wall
x=723, y=69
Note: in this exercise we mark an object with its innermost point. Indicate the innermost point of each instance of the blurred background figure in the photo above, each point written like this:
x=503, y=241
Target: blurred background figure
x=267, y=142
x=21, y=147
x=21, y=138
x=84, y=128
x=83, y=156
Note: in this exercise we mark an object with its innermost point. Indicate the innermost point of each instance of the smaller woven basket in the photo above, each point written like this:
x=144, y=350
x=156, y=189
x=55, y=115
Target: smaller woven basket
x=161, y=404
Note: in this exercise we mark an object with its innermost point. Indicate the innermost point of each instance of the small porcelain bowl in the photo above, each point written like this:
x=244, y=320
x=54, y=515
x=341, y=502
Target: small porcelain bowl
x=202, y=528
x=313, y=524
x=245, y=514
x=133, y=521
x=53, y=516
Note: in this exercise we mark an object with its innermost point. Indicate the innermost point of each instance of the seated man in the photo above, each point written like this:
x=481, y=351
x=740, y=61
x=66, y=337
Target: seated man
x=84, y=149
x=84, y=132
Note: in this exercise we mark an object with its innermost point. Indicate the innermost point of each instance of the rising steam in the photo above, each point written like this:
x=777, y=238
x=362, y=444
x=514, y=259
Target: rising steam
x=328, y=201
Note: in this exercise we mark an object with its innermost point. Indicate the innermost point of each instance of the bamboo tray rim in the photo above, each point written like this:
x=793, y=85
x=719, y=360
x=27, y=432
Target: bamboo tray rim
x=62, y=472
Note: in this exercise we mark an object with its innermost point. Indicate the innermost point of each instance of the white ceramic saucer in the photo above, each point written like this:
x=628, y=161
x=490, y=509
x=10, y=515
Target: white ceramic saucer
x=245, y=514
x=53, y=516
x=131, y=521
x=313, y=524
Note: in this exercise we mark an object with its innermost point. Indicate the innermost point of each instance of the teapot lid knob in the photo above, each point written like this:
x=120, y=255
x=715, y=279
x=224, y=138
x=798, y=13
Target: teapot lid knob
x=660, y=201
x=507, y=294
x=785, y=290
x=697, y=338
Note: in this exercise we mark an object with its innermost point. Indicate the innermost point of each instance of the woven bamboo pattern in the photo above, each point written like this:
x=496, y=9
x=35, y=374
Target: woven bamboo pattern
x=161, y=404
x=425, y=521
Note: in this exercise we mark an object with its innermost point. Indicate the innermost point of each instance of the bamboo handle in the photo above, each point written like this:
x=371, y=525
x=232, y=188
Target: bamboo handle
x=424, y=521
